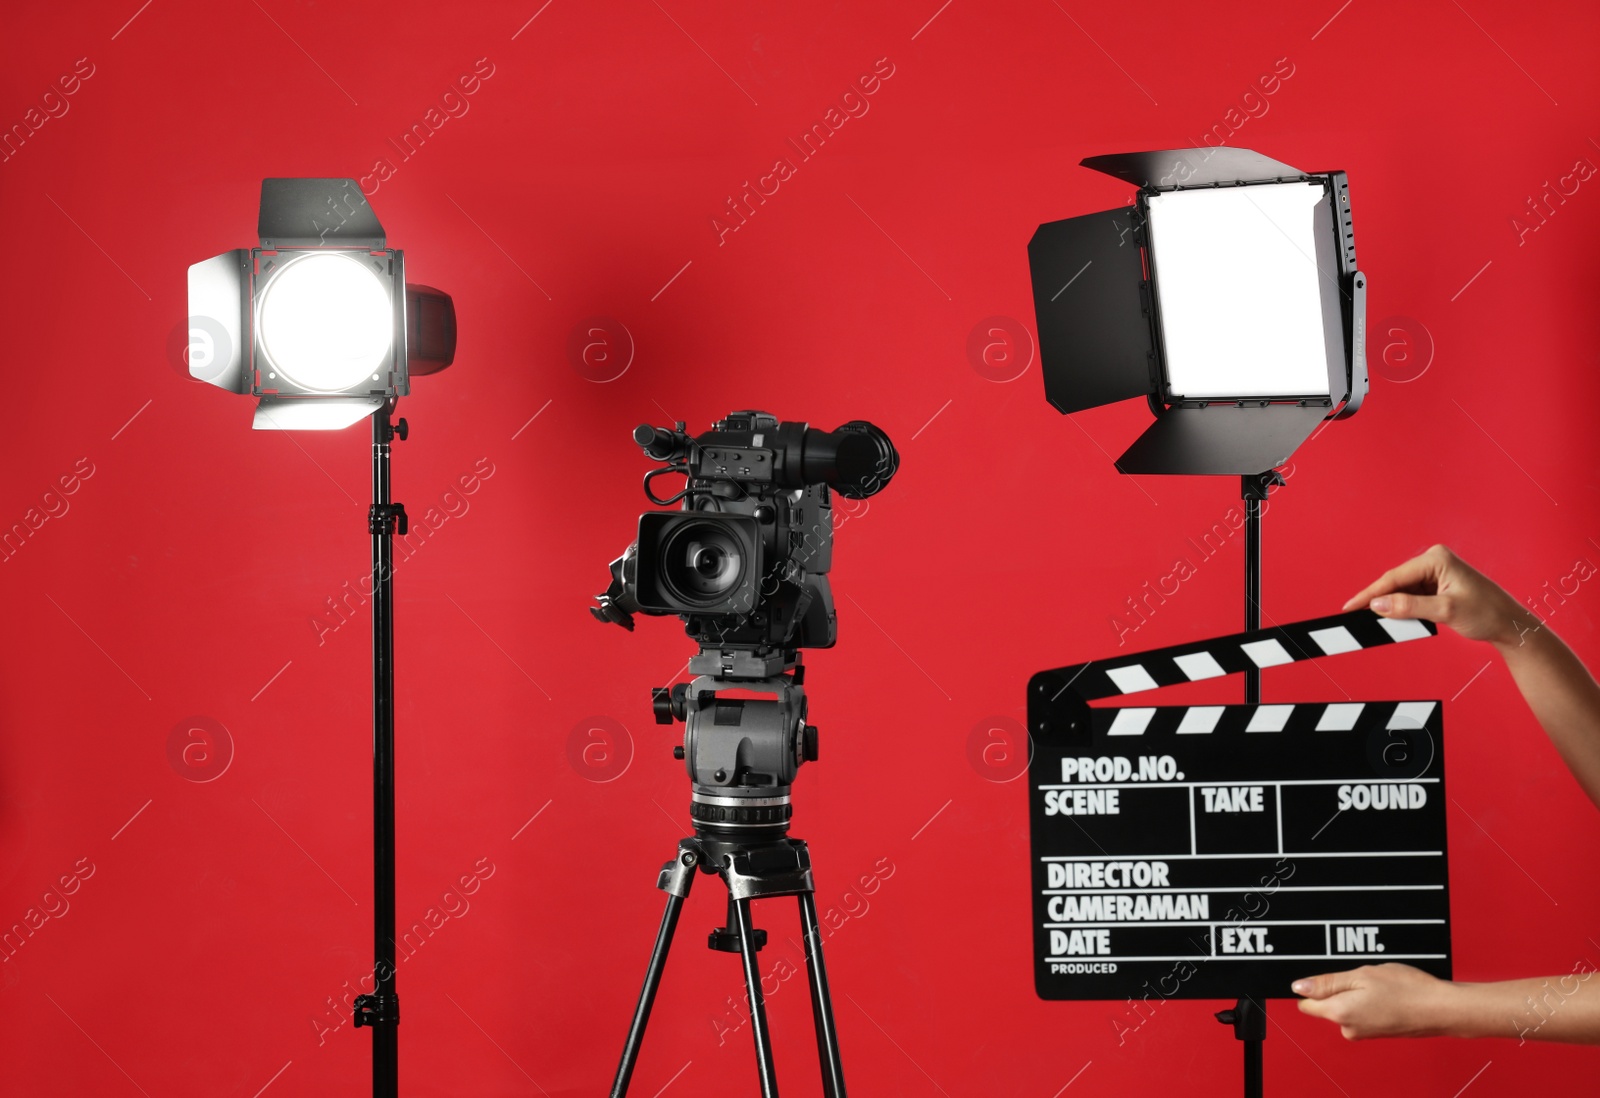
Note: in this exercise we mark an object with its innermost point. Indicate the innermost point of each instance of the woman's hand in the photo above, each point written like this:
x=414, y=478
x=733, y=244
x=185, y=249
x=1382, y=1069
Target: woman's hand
x=1442, y=588
x=1380, y=1001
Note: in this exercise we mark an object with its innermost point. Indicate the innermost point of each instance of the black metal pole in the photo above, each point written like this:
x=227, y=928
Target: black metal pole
x=381, y=1010
x=1252, y=586
x=1249, y=1021
x=1249, y=1017
x=821, y=1001
x=758, y=1004
x=647, y=996
x=1253, y=1082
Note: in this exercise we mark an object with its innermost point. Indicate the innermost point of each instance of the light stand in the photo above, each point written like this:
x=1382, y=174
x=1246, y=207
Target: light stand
x=1248, y=1017
x=320, y=326
x=381, y=1009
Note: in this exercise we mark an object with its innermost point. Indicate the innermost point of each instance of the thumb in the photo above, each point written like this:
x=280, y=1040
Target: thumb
x=1404, y=605
x=1321, y=987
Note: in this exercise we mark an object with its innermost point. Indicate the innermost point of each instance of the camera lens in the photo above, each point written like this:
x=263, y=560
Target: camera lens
x=708, y=561
x=702, y=563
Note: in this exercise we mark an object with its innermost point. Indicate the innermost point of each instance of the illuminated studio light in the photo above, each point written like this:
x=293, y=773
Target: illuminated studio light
x=1226, y=295
x=317, y=322
x=326, y=322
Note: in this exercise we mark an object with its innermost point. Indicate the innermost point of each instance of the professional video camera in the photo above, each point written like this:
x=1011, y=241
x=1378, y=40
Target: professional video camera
x=744, y=563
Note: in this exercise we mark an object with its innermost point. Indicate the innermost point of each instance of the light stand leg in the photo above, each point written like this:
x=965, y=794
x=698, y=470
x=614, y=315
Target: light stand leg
x=821, y=1003
x=758, y=1006
x=381, y=1009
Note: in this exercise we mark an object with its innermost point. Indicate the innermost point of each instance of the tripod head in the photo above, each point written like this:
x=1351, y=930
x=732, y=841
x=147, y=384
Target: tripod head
x=744, y=741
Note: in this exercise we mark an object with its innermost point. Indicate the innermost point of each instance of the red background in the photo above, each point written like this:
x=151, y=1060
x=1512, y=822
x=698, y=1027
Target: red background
x=184, y=575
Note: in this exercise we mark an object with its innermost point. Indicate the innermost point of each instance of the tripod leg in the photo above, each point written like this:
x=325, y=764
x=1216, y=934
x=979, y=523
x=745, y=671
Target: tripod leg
x=821, y=1003
x=758, y=1007
x=652, y=981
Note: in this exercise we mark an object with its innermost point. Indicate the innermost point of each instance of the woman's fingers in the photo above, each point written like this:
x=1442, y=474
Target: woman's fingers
x=1321, y=987
x=1413, y=572
x=1435, y=608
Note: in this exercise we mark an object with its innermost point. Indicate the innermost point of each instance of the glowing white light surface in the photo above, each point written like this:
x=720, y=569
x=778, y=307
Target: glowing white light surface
x=313, y=413
x=1240, y=293
x=325, y=323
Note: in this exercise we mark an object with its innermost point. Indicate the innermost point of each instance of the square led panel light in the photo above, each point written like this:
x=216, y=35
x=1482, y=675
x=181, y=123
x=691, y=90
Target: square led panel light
x=1246, y=285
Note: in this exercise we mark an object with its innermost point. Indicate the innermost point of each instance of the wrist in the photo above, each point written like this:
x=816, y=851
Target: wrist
x=1448, y=1009
x=1465, y=1010
x=1520, y=627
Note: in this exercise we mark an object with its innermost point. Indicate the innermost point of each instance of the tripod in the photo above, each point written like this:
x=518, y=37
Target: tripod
x=742, y=755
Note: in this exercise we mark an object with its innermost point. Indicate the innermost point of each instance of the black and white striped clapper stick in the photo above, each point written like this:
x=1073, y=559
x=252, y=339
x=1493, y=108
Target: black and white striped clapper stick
x=1218, y=851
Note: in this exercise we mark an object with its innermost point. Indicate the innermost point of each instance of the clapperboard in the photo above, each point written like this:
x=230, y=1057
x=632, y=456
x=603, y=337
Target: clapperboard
x=1220, y=851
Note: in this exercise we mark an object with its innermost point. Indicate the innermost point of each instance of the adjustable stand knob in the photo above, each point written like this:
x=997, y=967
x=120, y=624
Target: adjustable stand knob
x=808, y=743
x=669, y=702
x=661, y=704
